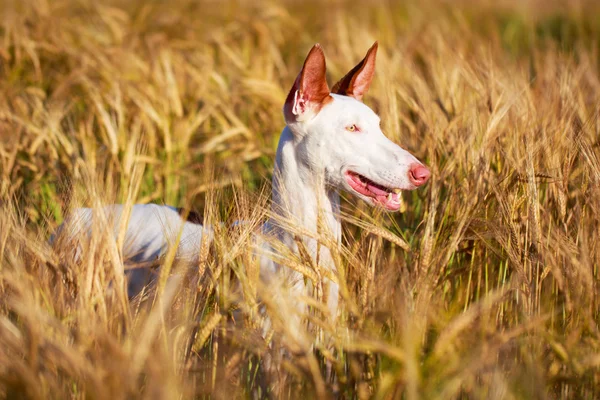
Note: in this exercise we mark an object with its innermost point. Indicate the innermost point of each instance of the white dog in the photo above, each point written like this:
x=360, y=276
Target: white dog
x=332, y=142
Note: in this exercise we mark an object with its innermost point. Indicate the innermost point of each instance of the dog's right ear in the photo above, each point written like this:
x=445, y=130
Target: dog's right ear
x=310, y=90
x=357, y=81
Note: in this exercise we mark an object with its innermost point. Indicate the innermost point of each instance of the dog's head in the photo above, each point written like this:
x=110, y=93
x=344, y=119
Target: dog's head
x=341, y=136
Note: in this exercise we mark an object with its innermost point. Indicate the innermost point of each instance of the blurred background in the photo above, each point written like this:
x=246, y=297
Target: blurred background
x=485, y=287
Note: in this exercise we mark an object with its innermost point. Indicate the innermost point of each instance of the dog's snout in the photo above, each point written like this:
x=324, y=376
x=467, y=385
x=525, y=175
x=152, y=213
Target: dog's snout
x=418, y=174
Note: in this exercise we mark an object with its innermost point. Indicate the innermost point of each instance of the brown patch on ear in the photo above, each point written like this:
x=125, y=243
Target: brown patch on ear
x=358, y=80
x=193, y=216
x=310, y=86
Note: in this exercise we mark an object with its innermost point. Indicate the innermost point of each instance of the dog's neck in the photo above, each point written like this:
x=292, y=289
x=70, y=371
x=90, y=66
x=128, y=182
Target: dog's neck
x=301, y=197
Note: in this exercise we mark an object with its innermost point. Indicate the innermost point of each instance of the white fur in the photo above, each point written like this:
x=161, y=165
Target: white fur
x=312, y=158
x=151, y=229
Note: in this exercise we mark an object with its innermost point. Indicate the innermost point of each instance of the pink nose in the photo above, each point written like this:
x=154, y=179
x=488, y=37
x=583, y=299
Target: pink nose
x=418, y=174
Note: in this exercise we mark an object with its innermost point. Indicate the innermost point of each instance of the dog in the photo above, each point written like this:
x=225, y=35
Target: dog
x=332, y=142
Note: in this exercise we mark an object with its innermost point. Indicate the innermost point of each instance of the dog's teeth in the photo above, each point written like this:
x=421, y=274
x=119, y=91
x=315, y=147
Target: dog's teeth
x=396, y=191
x=389, y=197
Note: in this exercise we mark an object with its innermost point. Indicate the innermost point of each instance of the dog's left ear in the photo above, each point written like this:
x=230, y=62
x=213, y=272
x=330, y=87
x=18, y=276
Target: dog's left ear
x=357, y=81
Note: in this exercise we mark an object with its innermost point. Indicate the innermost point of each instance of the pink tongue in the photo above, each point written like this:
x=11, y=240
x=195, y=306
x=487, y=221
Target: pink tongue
x=376, y=190
x=392, y=203
x=382, y=199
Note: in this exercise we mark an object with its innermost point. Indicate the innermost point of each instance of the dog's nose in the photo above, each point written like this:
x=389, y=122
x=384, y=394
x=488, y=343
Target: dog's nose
x=418, y=174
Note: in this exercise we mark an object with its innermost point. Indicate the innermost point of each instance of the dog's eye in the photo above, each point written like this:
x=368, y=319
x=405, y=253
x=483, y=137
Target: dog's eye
x=352, y=128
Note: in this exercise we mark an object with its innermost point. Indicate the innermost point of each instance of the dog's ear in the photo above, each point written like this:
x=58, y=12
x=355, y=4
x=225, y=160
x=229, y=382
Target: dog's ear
x=310, y=91
x=357, y=81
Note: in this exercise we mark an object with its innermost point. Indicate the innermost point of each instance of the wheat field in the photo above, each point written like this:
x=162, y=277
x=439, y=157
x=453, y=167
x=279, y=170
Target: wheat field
x=485, y=287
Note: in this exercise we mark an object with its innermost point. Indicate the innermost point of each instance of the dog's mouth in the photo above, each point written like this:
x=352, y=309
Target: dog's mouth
x=388, y=198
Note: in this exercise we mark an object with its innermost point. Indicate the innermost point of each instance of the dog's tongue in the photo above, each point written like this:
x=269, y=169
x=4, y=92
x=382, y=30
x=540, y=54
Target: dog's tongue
x=376, y=191
x=391, y=202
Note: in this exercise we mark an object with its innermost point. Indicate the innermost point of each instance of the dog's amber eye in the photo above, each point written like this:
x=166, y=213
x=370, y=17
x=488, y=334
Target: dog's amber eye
x=352, y=128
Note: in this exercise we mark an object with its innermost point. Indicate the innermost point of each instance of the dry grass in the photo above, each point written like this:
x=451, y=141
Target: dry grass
x=486, y=287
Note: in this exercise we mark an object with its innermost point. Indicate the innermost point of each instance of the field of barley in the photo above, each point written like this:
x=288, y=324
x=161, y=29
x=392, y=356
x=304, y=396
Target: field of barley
x=486, y=286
